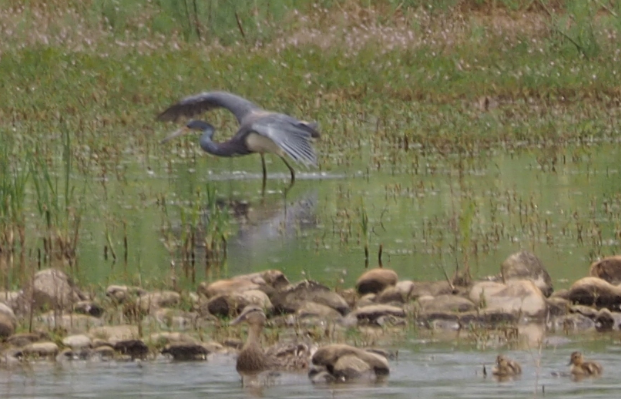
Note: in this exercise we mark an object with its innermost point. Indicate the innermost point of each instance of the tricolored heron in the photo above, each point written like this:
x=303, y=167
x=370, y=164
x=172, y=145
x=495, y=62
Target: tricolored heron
x=259, y=130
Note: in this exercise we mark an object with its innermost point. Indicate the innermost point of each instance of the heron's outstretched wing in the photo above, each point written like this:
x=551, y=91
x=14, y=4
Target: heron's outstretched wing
x=290, y=134
x=197, y=104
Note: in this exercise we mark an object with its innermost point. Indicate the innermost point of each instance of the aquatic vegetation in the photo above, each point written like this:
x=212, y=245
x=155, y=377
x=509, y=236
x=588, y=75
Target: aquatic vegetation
x=453, y=134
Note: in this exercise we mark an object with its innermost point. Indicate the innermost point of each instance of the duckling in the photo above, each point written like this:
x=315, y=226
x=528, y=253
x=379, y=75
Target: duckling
x=582, y=368
x=252, y=359
x=506, y=367
x=341, y=362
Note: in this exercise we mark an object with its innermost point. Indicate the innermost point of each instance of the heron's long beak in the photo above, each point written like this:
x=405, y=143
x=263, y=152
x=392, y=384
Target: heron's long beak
x=174, y=134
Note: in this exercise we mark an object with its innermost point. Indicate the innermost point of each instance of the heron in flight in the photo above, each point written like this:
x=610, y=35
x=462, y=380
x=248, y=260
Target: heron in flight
x=259, y=130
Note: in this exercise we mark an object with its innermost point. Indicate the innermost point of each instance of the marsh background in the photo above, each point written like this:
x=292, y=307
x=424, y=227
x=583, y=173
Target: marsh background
x=454, y=133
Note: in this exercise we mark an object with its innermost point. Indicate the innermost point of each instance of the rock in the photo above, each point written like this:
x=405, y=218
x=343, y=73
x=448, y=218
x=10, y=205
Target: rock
x=7, y=326
x=573, y=322
x=186, y=351
x=350, y=295
x=526, y=266
x=135, y=348
x=433, y=288
x=350, y=367
x=72, y=323
x=312, y=309
x=172, y=318
x=231, y=304
x=23, y=339
x=159, y=299
x=77, y=341
x=445, y=304
x=558, y=306
x=608, y=269
x=8, y=312
x=53, y=289
x=13, y=299
x=114, y=334
x=604, y=321
x=292, y=298
x=104, y=352
x=372, y=313
x=376, y=280
x=120, y=293
x=366, y=300
x=165, y=338
x=392, y=295
x=41, y=349
x=346, y=362
x=267, y=281
x=517, y=297
x=594, y=291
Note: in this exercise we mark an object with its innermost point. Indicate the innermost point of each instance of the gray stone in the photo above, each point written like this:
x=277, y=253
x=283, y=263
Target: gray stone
x=517, y=297
x=526, y=266
x=292, y=298
x=608, y=269
x=376, y=280
x=53, y=289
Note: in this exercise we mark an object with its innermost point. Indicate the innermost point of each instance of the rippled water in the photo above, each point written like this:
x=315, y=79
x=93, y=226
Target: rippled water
x=424, y=369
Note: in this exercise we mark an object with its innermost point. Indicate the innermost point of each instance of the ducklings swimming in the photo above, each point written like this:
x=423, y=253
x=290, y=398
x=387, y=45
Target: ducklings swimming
x=506, y=367
x=583, y=368
x=252, y=359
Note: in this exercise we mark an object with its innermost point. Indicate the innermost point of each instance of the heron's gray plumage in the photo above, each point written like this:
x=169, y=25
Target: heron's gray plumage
x=191, y=106
x=286, y=134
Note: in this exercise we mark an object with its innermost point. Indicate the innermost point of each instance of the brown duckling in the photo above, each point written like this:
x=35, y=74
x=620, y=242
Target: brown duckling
x=252, y=359
x=506, y=367
x=341, y=362
x=582, y=368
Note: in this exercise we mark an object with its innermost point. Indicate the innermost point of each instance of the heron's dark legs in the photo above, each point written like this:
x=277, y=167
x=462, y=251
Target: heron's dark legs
x=264, y=174
x=290, y=170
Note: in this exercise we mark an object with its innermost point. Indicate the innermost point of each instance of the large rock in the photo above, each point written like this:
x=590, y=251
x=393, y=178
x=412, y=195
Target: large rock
x=376, y=280
x=114, y=334
x=516, y=297
x=41, y=349
x=120, y=293
x=445, y=304
x=159, y=299
x=77, y=341
x=231, y=304
x=373, y=313
x=14, y=300
x=594, y=291
x=72, y=323
x=53, y=289
x=399, y=293
x=312, y=309
x=526, y=266
x=608, y=269
x=22, y=339
x=431, y=288
x=291, y=299
x=7, y=326
x=268, y=281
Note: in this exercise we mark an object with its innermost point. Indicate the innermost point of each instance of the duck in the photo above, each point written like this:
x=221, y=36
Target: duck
x=253, y=359
x=342, y=363
x=506, y=367
x=583, y=368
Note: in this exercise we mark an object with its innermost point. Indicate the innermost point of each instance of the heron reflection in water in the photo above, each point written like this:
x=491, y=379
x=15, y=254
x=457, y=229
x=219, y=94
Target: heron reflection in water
x=260, y=131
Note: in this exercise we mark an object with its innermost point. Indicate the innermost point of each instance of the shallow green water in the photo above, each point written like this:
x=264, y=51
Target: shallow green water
x=429, y=212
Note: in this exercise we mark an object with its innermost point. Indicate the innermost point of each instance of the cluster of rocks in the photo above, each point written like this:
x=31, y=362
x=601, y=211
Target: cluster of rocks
x=133, y=323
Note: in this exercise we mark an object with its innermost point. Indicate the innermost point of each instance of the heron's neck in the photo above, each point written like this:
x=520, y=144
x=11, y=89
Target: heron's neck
x=226, y=149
